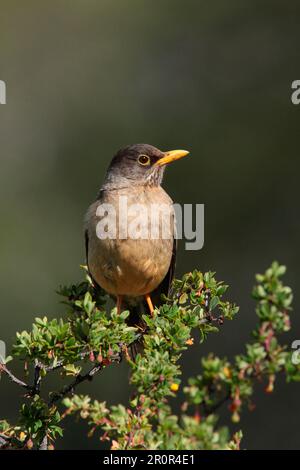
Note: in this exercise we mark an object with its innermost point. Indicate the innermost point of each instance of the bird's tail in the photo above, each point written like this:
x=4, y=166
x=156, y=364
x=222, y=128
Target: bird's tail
x=141, y=308
x=135, y=319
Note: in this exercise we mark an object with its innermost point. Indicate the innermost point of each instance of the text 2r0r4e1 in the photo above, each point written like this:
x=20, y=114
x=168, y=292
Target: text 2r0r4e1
x=169, y=459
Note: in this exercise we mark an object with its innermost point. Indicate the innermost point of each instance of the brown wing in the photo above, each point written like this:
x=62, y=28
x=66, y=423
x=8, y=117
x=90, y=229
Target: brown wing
x=86, y=239
x=164, y=286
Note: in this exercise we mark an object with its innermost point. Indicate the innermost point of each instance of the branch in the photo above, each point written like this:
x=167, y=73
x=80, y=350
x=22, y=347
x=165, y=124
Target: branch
x=82, y=378
x=208, y=410
x=32, y=389
x=14, y=379
x=59, y=364
x=37, y=379
x=70, y=388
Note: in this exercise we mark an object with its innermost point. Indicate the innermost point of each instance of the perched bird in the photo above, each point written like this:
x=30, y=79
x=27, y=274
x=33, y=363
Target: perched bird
x=133, y=269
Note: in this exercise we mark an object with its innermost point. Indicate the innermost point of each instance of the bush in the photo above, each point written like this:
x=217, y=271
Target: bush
x=88, y=340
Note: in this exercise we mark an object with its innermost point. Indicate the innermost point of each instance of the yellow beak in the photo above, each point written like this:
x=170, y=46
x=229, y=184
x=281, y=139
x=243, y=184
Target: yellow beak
x=171, y=156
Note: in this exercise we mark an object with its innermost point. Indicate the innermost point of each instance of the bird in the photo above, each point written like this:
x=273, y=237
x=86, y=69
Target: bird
x=134, y=270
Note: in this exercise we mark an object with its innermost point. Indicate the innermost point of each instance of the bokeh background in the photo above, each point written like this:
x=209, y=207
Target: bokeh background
x=85, y=78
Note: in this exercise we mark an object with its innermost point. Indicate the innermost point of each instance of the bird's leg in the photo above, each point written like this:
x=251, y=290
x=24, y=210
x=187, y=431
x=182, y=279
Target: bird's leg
x=119, y=304
x=150, y=304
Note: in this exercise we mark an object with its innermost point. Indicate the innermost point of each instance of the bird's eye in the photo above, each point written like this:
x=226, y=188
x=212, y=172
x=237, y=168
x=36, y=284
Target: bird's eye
x=144, y=160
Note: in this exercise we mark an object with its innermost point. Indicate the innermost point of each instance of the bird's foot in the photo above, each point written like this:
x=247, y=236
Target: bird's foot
x=150, y=304
x=119, y=304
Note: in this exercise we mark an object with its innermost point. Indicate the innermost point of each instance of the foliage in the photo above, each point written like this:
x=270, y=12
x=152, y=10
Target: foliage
x=89, y=339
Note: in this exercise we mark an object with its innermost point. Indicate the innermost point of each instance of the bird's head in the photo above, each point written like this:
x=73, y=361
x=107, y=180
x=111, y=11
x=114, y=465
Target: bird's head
x=139, y=164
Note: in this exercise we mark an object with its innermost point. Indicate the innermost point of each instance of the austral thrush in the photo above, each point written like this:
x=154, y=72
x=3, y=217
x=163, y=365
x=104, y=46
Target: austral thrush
x=134, y=269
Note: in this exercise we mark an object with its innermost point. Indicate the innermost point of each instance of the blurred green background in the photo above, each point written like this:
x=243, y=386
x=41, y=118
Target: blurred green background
x=86, y=78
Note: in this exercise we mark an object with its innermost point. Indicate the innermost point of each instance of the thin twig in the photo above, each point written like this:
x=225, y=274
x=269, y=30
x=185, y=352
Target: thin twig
x=59, y=364
x=13, y=378
x=37, y=379
x=211, y=409
x=33, y=389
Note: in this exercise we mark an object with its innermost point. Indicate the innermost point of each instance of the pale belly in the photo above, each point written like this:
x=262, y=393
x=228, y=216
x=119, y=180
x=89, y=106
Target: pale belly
x=130, y=267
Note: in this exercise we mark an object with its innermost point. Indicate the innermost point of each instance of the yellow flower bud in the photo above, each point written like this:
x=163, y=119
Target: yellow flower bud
x=190, y=341
x=174, y=387
x=227, y=372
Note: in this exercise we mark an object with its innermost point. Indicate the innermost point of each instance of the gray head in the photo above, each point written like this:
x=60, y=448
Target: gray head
x=139, y=164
